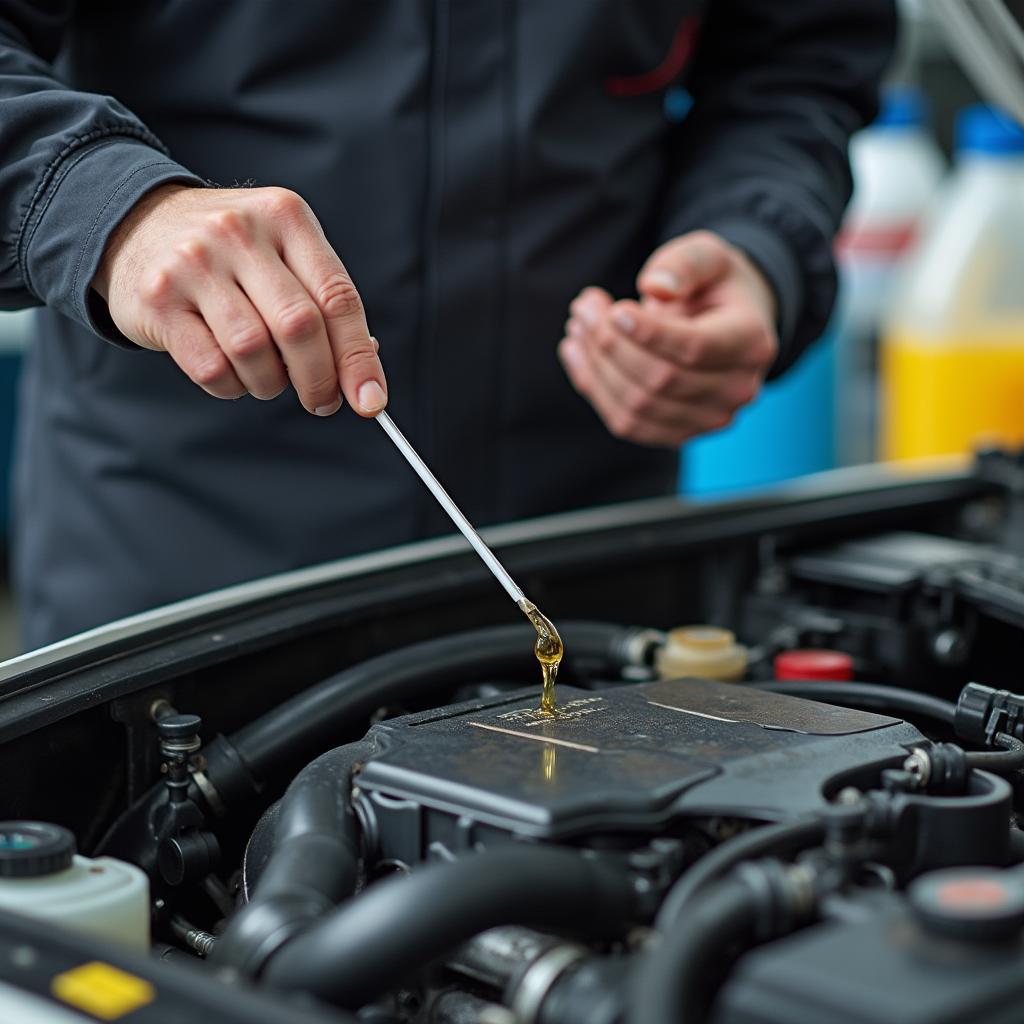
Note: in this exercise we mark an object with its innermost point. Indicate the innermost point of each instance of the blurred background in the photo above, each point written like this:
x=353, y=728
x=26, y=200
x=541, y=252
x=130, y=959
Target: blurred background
x=925, y=352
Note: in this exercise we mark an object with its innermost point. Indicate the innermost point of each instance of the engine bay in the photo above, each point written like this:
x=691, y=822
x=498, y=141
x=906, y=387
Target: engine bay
x=342, y=801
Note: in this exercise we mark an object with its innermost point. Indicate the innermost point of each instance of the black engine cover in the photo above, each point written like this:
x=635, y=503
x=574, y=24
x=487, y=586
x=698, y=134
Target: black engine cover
x=624, y=760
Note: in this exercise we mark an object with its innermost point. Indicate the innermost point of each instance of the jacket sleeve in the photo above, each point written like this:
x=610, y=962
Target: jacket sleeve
x=778, y=88
x=72, y=164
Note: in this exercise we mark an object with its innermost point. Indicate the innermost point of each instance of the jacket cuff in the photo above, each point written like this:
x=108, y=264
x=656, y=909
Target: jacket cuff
x=776, y=260
x=69, y=223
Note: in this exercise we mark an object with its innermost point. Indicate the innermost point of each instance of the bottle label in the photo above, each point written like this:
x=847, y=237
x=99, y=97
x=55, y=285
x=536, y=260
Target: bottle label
x=887, y=241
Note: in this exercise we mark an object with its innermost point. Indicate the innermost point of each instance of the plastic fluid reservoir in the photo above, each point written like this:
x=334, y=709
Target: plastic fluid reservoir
x=704, y=651
x=953, y=350
x=897, y=171
x=42, y=876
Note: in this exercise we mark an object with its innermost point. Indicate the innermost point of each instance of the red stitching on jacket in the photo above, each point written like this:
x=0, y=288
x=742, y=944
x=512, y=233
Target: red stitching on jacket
x=666, y=72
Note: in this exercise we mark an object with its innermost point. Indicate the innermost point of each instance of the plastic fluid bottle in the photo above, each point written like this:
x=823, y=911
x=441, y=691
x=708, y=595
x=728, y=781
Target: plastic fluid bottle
x=897, y=171
x=41, y=876
x=953, y=350
x=786, y=431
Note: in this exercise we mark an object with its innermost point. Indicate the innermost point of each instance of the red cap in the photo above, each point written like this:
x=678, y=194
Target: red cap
x=811, y=664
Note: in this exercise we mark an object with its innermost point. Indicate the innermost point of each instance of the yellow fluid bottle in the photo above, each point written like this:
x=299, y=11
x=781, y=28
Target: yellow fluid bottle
x=949, y=394
x=952, y=356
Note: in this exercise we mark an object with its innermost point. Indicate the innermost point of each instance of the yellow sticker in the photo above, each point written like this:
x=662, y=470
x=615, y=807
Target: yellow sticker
x=102, y=990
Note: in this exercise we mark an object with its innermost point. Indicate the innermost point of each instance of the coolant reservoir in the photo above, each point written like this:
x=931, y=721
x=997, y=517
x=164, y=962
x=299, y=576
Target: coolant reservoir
x=704, y=651
x=42, y=876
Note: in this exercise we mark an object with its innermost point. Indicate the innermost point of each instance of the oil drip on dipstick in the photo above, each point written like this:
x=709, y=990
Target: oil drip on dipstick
x=549, y=651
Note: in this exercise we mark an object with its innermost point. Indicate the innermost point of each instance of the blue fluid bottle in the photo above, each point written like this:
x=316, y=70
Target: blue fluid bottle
x=787, y=431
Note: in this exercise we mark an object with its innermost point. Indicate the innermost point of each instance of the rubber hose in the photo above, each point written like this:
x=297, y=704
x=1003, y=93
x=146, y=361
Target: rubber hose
x=315, y=717
x=779, y=840
x=670, y=984
x=871, y=696
x=1009, y=759
x=314, y=863
x=1016, y=846
x=371, y=944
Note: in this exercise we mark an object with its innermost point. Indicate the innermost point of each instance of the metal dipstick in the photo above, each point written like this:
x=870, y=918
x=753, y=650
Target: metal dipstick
x=435, y=488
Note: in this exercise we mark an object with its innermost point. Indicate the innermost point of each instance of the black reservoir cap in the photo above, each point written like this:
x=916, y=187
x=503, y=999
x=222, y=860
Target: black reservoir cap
x=178, y=727
x=32, y=848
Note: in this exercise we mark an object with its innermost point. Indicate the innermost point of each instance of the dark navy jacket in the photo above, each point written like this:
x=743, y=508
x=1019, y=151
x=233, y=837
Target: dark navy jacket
x=475, y=163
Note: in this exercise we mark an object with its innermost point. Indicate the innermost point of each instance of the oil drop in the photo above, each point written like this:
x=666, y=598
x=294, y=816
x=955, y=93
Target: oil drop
x=549, y=651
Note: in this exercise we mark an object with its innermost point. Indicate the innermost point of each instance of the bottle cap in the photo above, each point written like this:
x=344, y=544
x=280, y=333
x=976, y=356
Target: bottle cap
x=814, y=664
x=984, y=129
x=903, y=106
x=707, y=652
x=32, y=848
x=704, y=638
x=178, y=727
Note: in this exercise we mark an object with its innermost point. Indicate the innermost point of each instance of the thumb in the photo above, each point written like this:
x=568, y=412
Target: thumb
x=683, y=266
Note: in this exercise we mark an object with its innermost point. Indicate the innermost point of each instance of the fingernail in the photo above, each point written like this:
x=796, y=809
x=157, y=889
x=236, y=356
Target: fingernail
x=571, y=352
x=663, y=279
x=586, y=314
x=328, y=410
x=624, y=320
x=371, y=397
x=276, y=394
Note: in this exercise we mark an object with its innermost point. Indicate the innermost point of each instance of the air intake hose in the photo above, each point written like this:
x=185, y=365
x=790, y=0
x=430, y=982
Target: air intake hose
x=371, y=944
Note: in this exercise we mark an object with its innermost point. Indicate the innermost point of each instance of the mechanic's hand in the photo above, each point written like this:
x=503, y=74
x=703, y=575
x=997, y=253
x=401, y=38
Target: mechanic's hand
x=687, y=356
x=243, y=290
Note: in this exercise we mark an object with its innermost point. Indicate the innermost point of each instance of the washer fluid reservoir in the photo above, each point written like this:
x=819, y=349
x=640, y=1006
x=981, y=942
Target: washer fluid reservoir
x=41, y=876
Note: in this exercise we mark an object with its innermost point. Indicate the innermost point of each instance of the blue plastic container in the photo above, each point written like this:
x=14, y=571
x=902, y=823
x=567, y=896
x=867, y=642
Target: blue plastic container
x=787, y=431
